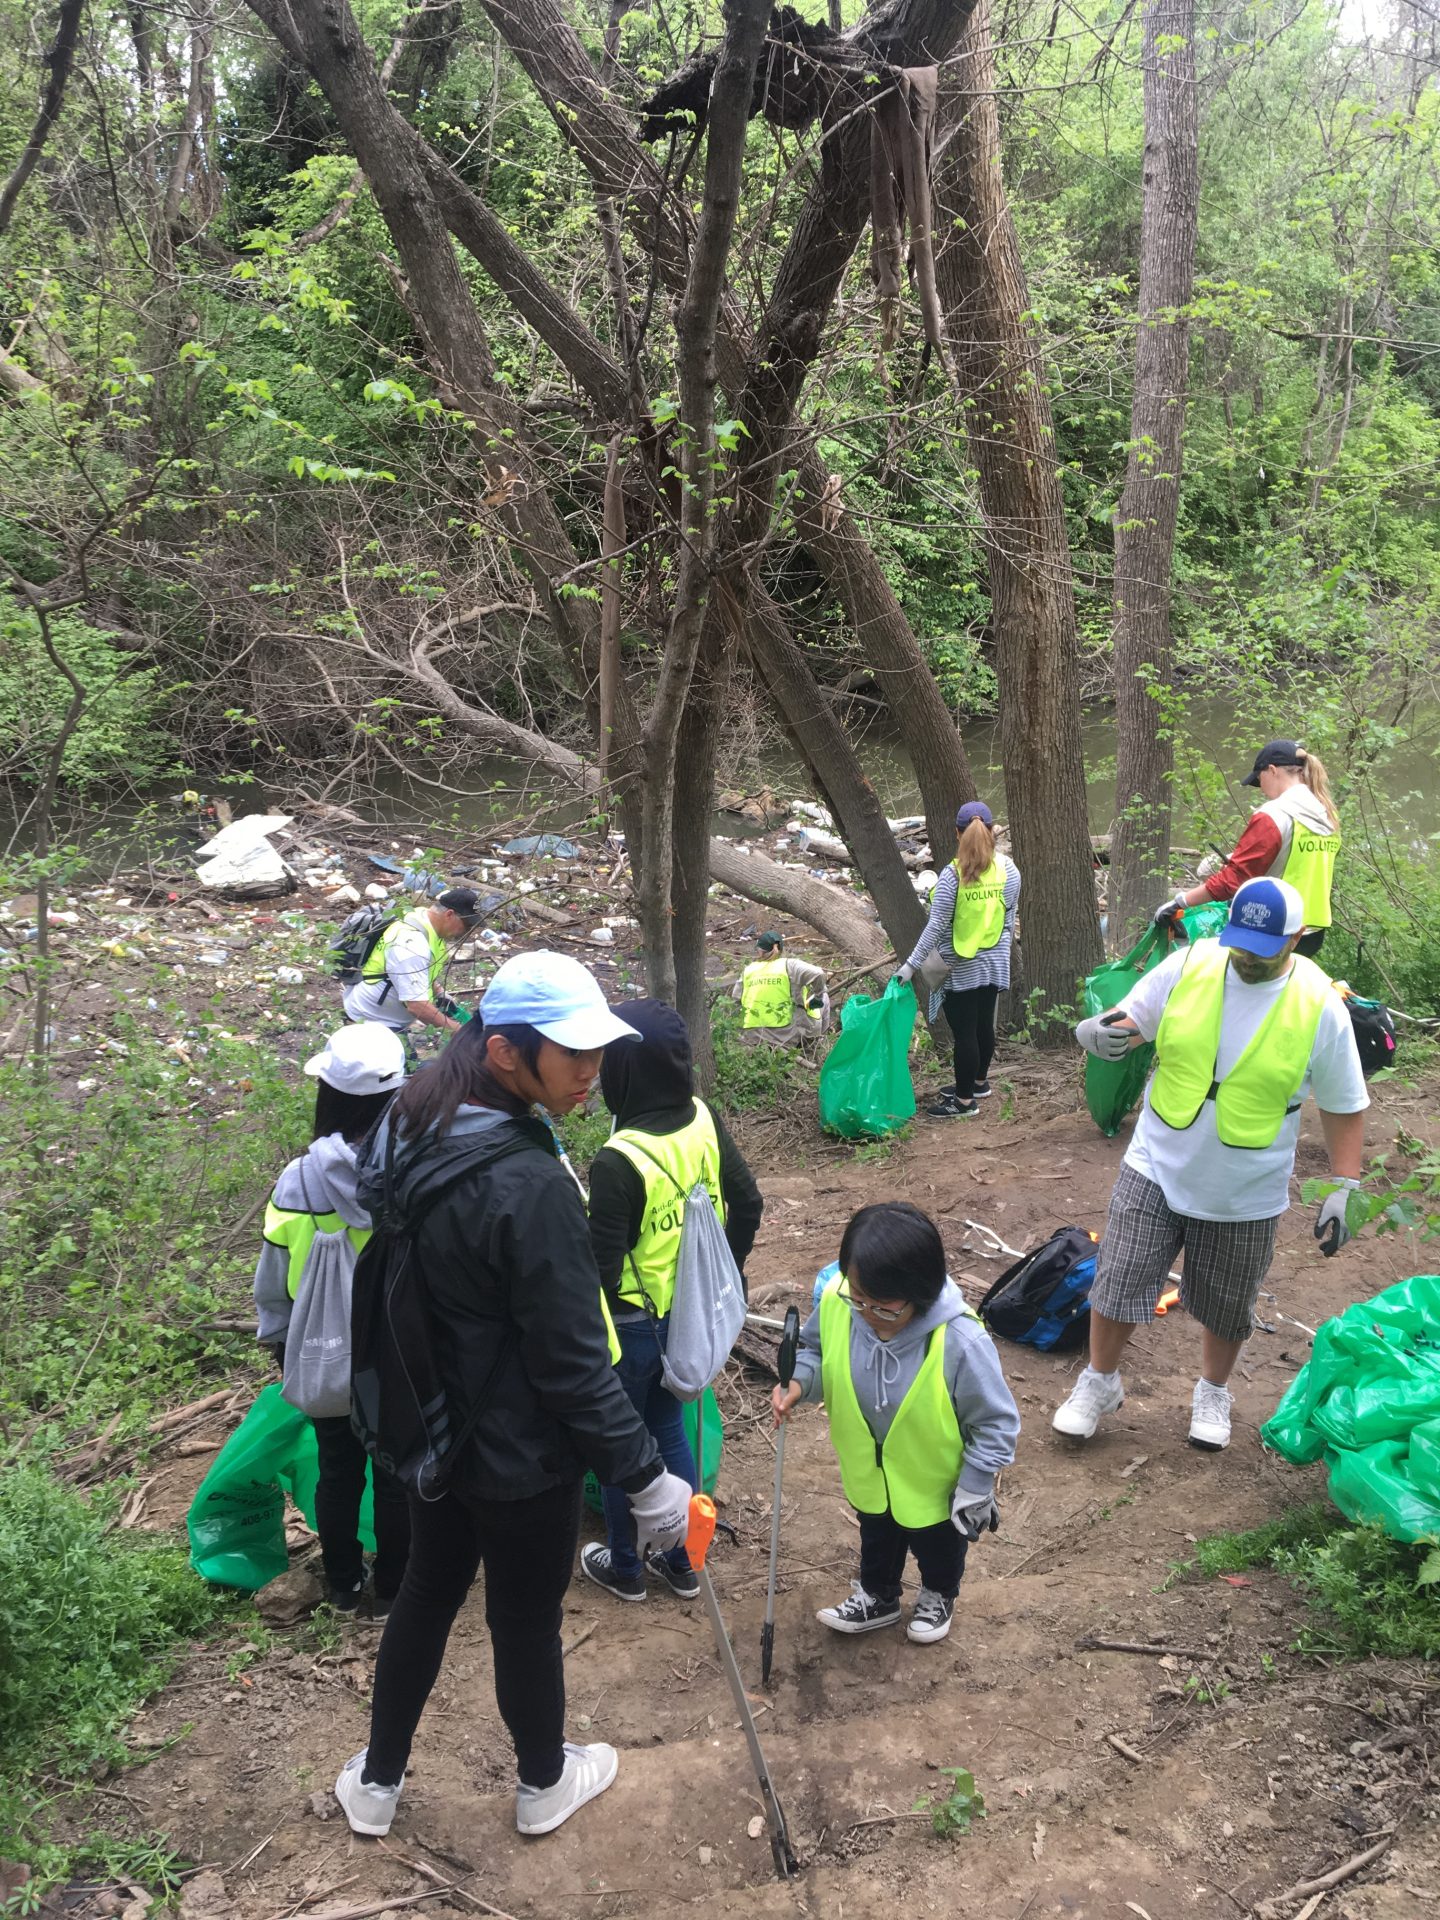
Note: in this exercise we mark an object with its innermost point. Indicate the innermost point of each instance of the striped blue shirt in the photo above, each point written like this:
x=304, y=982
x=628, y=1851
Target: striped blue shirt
x=991, y=966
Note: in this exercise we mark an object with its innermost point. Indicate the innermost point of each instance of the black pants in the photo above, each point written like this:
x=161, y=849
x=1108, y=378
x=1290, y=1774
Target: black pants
x=939, y=1553
x=337, y=1513
x=972, y=1022
x=527, y=1548
x=1310, y=943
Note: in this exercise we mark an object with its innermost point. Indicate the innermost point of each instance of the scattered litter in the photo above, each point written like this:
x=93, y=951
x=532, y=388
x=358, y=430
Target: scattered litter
x=290, y=976
x=549, y=846
x=376, y=892
x=213, y=957
x=241, y=863
x=602, y=936
x=756, y=1826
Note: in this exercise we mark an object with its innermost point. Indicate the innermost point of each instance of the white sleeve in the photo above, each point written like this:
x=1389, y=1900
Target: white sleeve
x=1145, y=1003
x=408, y=966
x=1336, y=1080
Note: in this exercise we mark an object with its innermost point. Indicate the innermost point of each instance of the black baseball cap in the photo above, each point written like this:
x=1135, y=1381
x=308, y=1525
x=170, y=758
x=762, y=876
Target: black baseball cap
x=769, y=940
x=463, y=901
x=1276, y=753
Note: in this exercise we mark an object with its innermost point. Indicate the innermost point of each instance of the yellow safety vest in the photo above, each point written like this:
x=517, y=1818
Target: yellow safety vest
x=670, y=1164
x=913, y=1471
x=765, y=994
x=375, y=967
x=1310, y=867
x=296, y=1231
x=612, y=1337
x=1253, y=1099
x=979, y=911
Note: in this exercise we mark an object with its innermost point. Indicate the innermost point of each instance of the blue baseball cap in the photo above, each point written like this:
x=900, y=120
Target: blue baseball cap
x=555, y=995
x=1263, y=915
x=973, y=810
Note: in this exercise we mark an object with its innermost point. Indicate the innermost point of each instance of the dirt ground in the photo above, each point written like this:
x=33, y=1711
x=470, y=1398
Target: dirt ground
x=1270, y=1770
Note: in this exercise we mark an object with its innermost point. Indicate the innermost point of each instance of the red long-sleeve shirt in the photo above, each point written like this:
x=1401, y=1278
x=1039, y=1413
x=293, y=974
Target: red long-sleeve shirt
x=1255, y=854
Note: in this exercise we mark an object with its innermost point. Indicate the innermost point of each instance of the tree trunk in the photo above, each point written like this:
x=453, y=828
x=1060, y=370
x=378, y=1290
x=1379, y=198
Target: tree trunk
x=998, y=366
x=59, y=59
x=1145, y=521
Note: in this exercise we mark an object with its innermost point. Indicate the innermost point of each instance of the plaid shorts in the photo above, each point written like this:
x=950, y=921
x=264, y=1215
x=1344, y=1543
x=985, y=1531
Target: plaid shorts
x=1225, y=1261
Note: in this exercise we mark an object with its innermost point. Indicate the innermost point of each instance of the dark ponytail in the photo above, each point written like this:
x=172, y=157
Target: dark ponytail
x=461, y=1076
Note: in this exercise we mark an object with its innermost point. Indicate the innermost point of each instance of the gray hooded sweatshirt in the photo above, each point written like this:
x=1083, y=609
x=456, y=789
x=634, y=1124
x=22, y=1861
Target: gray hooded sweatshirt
x=884, y=1372
x=322, y=1180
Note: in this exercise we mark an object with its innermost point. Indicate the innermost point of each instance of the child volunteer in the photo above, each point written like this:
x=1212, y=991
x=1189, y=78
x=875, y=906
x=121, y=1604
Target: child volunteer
x=1294, y=835
x=972, y=920
x=359, y=1072
x=920, y=1416
x=665, y=1142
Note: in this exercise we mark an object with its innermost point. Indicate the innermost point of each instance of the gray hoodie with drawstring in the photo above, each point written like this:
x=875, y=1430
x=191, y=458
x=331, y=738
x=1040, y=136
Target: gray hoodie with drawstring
x=884, y=1372
x=322, y=1180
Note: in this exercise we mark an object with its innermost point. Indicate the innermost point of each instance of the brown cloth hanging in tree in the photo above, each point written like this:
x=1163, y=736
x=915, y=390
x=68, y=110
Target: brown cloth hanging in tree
x=900, y=142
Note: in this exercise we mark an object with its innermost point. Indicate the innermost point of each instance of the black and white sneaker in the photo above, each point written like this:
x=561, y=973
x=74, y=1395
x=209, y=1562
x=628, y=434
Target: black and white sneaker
x=683, y=1582
x=346, y=1599
x=597, y=1563
x=861, y=1613
x=984, y=1090
x=930, y=1616
x=949, y=1106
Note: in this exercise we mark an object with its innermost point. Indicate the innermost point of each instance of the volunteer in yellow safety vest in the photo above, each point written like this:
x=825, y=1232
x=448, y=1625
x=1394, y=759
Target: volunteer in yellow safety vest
x=781, y=1000
x=1294, y=835
x=665, y=1142
x=972, y=918
x=359, y=1073
x=400, y=981
x=920, y=1416
x=1244, y=1028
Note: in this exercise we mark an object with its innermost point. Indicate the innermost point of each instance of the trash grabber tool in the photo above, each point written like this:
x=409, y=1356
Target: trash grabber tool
x=785, y=1366
x=697, y=1544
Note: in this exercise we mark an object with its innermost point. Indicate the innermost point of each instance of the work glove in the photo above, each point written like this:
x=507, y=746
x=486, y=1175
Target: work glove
x=1167, y=917
x=904, y=974
x=661, y=1513
x=1331, y=1228
x=972, y=1517
x=1104, y=1037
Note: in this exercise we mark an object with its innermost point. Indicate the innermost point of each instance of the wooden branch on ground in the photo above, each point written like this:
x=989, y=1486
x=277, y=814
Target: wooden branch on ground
x=1089, y=1644
x=1303, y=1889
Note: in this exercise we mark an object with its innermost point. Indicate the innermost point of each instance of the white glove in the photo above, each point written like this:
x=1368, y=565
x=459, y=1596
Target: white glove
x=1104, y=1037
x=904, y=974
x=661, y=1513
x=1332, y=1229
x=972, y=1517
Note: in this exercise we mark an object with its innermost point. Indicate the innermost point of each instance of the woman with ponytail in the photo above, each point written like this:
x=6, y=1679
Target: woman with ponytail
x=972, y=918
x=1293, y=835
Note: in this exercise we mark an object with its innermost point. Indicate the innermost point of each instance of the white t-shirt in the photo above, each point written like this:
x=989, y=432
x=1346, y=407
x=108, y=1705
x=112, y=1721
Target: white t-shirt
x=1196, y=1172
x=407, y=968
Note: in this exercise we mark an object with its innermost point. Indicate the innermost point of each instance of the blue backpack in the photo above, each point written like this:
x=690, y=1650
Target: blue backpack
x=1044, y=1299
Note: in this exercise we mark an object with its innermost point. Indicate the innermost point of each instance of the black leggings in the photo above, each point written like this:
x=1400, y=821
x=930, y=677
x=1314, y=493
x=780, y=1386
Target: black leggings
x=527, y=1548
x=338, y=1493
x=972, y=1021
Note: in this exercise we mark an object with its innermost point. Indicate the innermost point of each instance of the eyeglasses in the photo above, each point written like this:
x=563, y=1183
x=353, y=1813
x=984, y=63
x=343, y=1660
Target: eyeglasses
x=890, y=1315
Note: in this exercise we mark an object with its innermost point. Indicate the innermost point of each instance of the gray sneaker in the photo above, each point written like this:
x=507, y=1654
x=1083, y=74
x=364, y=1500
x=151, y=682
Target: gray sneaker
x=588, y=1771
x=369, y=1808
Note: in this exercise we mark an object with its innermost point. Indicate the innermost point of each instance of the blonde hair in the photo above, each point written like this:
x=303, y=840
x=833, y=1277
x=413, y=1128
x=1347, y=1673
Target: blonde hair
x=975, y=853
x=1312, y=772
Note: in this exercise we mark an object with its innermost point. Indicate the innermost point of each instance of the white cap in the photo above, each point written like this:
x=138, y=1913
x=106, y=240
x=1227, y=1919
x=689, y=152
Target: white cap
x=365, y=1058
x=555, y=995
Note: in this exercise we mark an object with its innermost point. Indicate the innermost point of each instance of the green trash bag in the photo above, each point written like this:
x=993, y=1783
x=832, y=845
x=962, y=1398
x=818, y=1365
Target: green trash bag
x=236, y=1521
x=865, y=1087
x=712, y=1434
x=1368, y=1403
x=1113, y=1087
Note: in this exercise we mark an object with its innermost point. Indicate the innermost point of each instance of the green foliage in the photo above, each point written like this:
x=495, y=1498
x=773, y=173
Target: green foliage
x=121, y=725
x=749, y=1078
x=954, y=1815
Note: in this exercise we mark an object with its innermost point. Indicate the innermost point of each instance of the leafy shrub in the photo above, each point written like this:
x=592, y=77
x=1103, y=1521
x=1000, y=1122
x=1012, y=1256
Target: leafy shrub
x=119, y=728
x=748, y=1077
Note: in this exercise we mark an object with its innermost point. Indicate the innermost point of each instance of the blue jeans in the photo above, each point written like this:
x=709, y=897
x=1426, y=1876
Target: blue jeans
x=642, y=1342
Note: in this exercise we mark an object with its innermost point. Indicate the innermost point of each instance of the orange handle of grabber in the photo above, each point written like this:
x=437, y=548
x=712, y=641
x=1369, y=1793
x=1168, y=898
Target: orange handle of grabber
x=702, y=1529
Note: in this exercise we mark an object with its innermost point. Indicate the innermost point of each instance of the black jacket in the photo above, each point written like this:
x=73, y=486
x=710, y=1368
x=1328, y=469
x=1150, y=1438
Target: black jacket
x=650, y=1085
x=505, y=1255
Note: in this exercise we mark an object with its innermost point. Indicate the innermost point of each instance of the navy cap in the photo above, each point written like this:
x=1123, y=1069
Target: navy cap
x=973, y=810
x=1275, y=753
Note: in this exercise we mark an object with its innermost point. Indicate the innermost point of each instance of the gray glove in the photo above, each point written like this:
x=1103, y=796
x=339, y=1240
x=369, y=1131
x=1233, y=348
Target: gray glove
x=661, y=1513
x=973, y=1517
x=1171, y=911
x=904, y=974
x=1332, y=1229
x=1101, y=1036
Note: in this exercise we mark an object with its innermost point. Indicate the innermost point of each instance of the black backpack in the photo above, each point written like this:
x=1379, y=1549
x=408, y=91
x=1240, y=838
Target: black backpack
x=399, y=1410
x=1374, y=1033
x=1044, y=1299
x=358, y=939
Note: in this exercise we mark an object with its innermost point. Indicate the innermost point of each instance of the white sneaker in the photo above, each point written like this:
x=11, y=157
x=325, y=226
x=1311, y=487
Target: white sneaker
x=588, y=1771
x=930, y=1616
x=1092, y=1394
x=1210, y=1416
x=368, y=1808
